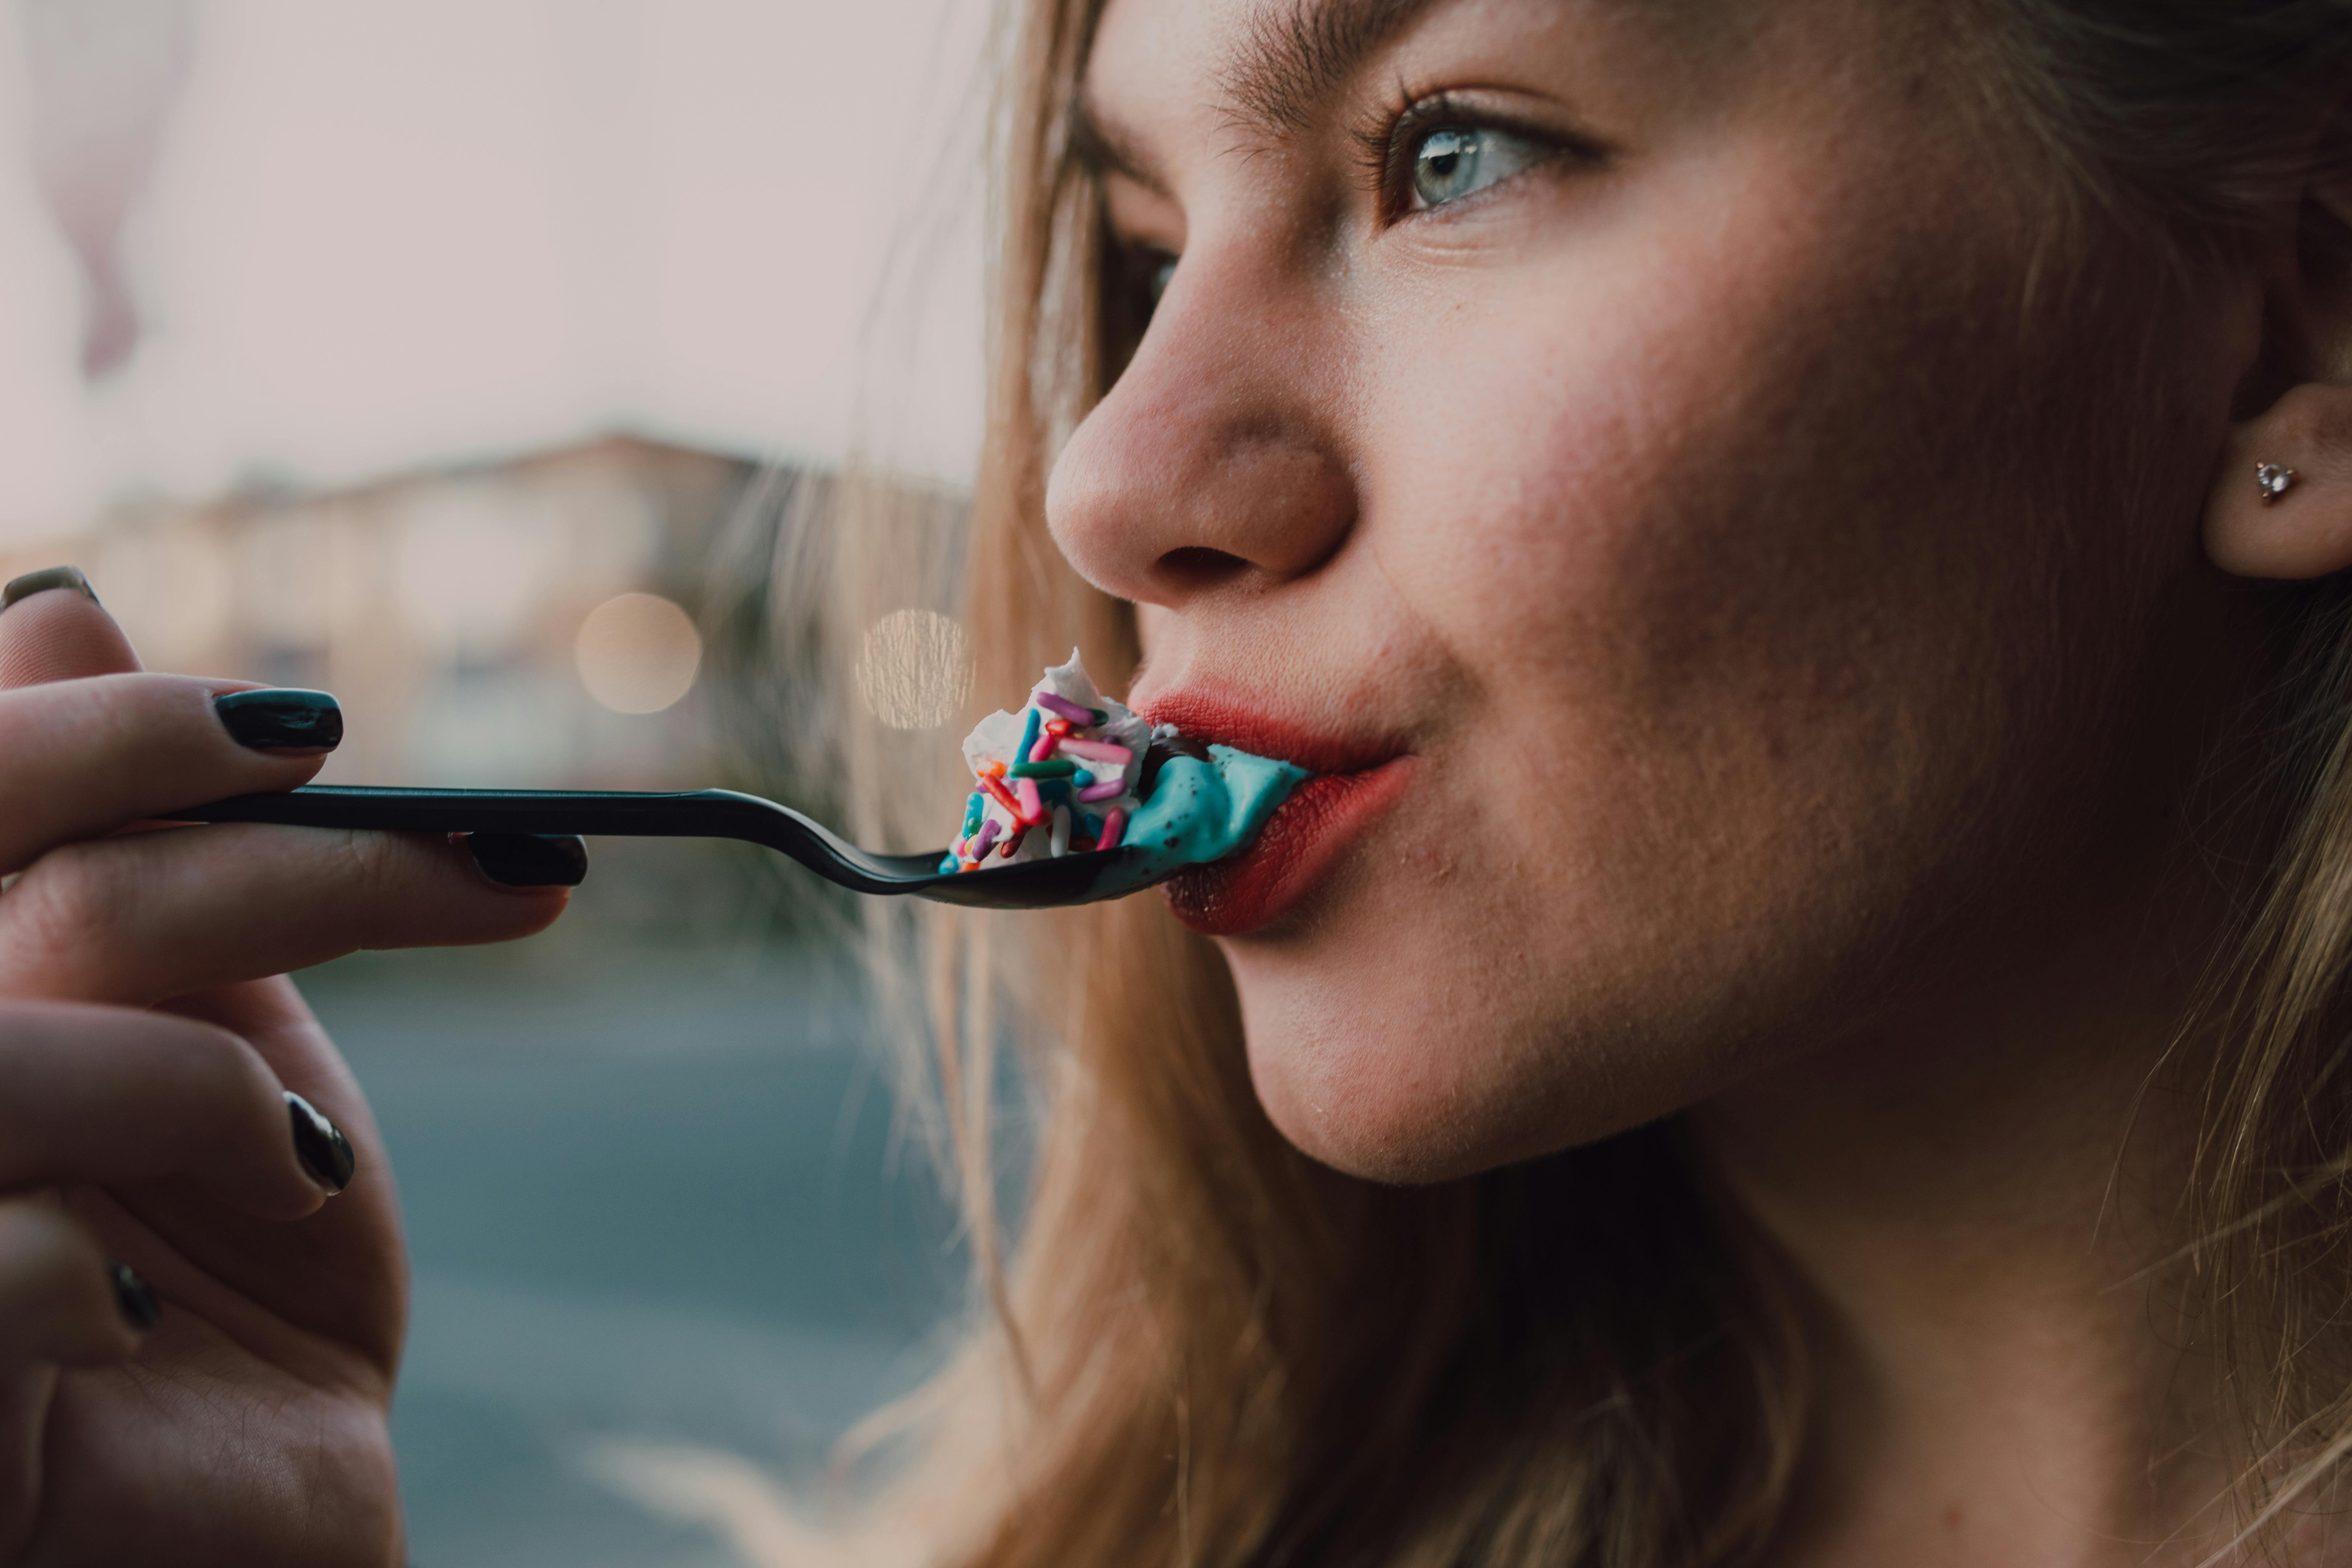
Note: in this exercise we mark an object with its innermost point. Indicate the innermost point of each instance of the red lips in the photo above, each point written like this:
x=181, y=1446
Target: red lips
x=1357, y=777
x=1229, y=722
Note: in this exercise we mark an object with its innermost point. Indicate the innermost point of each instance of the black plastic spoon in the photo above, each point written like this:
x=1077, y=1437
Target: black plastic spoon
x=695, y=814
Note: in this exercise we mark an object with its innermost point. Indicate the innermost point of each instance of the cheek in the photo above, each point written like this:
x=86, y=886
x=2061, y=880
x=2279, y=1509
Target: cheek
x=1616, y=466
x=1696, y=562
x=1735, y=604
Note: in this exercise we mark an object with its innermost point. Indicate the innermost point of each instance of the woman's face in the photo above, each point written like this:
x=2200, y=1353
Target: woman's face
x=1631, y=444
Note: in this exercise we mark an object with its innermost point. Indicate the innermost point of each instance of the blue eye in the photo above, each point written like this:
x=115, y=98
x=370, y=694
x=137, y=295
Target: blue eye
x=1455, y=160
x=1140, y=276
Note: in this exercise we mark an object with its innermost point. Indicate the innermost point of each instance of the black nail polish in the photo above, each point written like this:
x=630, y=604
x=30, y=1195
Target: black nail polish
x=282, y=719
x=134, y=1298
x=320, y=1145
x=32, y=582
x=531, y=859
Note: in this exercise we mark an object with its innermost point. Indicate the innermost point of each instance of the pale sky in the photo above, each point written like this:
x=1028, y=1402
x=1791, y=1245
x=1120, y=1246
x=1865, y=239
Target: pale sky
x=388, y=232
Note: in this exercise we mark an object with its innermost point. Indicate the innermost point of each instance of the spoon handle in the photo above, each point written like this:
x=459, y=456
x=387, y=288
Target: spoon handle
x=695, y=813
x=692, y=814
x=689, y=814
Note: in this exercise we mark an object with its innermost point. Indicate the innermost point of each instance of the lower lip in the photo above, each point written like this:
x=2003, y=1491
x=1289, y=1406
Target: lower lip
x=1292, y=854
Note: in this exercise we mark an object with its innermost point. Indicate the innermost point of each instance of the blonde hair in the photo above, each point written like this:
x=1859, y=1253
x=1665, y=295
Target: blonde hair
x=1205, y=1349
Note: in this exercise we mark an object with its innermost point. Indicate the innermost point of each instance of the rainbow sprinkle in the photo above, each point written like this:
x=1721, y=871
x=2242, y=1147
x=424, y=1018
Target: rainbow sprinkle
x=1091, y=718
x=1067, y=746
x=1071, y=773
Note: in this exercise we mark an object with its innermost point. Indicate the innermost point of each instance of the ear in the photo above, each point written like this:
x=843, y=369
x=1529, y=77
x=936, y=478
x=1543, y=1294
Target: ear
x=2281, y=506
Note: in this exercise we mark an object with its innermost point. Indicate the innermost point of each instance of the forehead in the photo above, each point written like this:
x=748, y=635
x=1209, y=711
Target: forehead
x=1272, y=65
x=1169, y=83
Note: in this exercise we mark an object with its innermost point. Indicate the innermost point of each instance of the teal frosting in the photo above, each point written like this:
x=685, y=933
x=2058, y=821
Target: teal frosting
x=1199, y=812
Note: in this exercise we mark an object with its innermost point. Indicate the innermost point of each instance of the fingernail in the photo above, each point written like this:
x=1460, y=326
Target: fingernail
x=320, y=1145
x=135, y=1298
x=282, y=719
x=32, y=582
x=531, y=859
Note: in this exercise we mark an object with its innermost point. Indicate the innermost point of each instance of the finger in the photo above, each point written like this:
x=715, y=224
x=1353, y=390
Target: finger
x=139, y=919
x=62, y=1301
x=62, y=1304
x=338, y=1273
x=273, y=1020
x=111, y=1096
x=52, y=627
x=81, y=758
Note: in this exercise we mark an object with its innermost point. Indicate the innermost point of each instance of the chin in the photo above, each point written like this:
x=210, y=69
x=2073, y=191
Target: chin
x=1394, y=1082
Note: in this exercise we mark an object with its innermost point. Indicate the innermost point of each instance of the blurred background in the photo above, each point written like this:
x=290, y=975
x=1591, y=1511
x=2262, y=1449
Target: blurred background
x=444, y=354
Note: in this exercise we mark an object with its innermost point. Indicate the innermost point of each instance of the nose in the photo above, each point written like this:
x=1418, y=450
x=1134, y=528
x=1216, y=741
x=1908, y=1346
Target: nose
x=1212, y=460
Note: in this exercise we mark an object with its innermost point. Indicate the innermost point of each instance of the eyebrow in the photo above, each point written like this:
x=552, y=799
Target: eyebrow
x=1295, y=57
x=1292, y=58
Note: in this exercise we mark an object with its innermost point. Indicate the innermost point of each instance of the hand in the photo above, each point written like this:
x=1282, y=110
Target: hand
x=226, y=1401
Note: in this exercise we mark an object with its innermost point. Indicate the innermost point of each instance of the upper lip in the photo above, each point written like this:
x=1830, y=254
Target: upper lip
x=1233, y=722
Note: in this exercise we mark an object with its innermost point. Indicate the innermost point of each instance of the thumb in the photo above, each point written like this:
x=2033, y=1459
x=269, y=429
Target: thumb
x=52, y=627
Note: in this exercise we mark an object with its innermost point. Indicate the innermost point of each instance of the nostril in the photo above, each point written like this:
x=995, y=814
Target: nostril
x=1198, y=566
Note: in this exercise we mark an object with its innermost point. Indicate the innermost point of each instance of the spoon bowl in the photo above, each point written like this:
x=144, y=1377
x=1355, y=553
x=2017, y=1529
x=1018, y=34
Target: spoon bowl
x=693, y=813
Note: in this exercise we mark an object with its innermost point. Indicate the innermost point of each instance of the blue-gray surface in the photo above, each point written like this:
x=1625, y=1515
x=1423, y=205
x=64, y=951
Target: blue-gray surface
x=646, y=1204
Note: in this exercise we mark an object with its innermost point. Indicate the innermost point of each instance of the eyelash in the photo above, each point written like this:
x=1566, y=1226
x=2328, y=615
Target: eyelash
x=1384, y=146
x=1385, y=143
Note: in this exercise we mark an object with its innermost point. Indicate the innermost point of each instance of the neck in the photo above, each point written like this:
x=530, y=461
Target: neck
x=1981, y=1206
x=1981, y=1197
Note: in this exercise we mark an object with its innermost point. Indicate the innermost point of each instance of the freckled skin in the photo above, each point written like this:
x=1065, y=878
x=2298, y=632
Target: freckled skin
x=1786, y=616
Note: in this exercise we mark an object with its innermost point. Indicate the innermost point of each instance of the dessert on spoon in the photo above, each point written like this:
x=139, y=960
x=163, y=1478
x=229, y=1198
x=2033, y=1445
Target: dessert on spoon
x=1074, y=799
x=1076, y=773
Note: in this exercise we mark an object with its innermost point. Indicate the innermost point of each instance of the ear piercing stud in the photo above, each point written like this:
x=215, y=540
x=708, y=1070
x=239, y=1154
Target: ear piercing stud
x=2273, y=480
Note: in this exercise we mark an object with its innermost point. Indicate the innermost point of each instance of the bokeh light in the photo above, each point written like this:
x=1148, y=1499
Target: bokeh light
x=637, y=653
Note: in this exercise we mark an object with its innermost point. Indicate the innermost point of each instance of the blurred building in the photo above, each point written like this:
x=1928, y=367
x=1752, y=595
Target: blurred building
x=505, y=622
